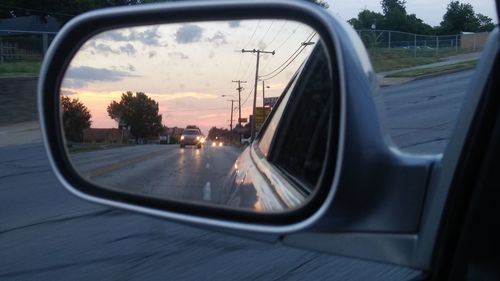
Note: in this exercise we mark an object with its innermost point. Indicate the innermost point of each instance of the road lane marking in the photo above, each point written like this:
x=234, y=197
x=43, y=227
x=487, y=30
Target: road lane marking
x=207, y=192
x=208, y=165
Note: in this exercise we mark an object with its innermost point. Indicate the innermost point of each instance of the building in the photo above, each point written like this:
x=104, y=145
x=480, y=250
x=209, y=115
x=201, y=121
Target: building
x=26, y=38
x=117, y=136
x=473, y=41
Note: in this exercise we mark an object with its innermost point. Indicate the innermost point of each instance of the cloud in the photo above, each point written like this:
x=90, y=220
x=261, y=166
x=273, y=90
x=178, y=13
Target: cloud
x=100, y=48
x=152, y=54
x=188, y=33
x=234, y=23
x=78, y=77
x=149, y=37
x=131, y=67
x=218, y=39
x=182, y=95
x=180, y=55
x=128, y=49
x=66, y=92
x=211, y=55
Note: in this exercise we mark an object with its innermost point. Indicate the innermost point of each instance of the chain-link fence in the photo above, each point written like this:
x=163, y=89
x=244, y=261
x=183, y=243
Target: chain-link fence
x=24, y=46
x=424, y=45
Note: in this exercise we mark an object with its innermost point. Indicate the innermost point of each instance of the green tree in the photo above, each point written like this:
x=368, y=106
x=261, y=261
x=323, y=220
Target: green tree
x=139, y=112
x=395, y=14
x=459, y=17
x=394, y=17
x=485, y=23
x=76, y=117
x=366, y=18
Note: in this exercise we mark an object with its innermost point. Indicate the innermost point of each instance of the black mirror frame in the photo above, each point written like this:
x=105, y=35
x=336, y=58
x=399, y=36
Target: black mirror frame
x=80, y=29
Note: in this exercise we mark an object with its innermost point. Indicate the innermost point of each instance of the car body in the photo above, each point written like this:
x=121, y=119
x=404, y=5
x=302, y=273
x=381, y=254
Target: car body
x=368, y=200
x=191, y=136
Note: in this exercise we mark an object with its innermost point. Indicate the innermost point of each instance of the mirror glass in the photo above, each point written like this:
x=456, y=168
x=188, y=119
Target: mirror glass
x=166, y=110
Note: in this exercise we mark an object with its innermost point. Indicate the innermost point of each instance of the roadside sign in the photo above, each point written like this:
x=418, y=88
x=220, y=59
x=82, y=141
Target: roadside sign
x=270, y=101
x=261, y=114
x=243, y=120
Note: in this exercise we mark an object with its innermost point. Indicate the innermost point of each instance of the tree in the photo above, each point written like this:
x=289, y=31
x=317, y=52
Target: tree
x=485, y=23
x=76, y=117
x=366, y=18
x=139, y=112
x=395, y=14
x=459, y=17
x=394, y=17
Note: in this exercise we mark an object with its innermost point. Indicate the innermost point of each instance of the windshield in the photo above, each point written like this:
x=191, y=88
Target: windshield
x=191, y=132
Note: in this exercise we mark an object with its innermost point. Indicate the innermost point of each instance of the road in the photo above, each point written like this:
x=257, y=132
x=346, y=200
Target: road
x=161, y=170
x=420, y=115
x=48, y=234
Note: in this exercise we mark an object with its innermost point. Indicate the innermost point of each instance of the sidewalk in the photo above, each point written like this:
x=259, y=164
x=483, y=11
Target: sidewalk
x=388, y=81
x=20, y=133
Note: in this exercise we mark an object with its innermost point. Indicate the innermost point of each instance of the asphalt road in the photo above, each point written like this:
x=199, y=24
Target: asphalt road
x=421, y=114
x=48, y=234
x=161, y=170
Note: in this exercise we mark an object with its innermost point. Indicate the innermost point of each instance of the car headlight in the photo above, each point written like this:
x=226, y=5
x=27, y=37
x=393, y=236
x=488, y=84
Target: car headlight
x=220, y=143
x=214, y=144
x=182, y=137
x=202, y=140
x=198, y=138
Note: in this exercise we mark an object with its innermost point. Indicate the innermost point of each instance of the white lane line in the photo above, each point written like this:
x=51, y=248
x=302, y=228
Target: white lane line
x=207, y=192
x=208, y=165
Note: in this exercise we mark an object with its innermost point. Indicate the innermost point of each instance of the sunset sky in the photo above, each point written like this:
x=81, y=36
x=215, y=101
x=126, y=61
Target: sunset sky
x=186, y=68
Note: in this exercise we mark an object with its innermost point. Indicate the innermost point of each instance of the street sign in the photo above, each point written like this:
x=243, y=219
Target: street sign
x=261, y=114
x=270, y=101
x=243, y=120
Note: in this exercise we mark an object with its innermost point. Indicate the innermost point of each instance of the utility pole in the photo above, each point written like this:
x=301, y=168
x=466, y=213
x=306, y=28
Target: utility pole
x=263, y=93
x=255, y=85
x=232, y=109
x=239, y=98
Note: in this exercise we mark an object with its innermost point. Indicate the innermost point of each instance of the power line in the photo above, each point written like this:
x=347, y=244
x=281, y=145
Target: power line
x=289, y=36
x=262, y=38
x=295, y=53
x=249, y=94
x=277, y=33
x=246, y=45
x=304, y=46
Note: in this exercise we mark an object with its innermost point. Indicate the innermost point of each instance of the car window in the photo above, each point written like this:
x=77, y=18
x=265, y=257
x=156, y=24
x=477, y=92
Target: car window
x=302, y=139
x=191, y=132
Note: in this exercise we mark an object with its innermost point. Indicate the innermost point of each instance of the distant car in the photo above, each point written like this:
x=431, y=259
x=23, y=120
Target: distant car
x=217, y=142
x=192, y=137
x=245, y=141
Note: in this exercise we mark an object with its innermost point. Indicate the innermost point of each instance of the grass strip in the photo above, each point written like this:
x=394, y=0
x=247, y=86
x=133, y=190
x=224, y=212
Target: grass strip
x=415, y=73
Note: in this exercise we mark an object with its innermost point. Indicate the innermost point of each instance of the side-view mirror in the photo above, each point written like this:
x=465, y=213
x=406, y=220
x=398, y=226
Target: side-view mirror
x=139, y=108
x=256, y=115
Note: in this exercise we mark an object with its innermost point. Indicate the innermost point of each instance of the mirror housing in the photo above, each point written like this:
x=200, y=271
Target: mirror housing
x=75, y=33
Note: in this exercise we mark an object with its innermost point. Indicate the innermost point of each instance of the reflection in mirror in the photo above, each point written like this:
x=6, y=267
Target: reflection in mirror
x=165, y=110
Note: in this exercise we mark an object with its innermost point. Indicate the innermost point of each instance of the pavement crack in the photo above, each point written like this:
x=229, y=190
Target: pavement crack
x=115, y=259
x=25, y=173
x=285, y=276
x=59, y=220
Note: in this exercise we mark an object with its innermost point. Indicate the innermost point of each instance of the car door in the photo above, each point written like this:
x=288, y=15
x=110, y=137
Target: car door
x=369, y=201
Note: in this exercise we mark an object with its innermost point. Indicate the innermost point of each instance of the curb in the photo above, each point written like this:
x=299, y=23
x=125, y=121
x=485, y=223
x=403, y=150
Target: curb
x=427, y=76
